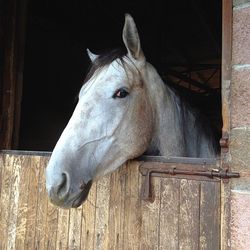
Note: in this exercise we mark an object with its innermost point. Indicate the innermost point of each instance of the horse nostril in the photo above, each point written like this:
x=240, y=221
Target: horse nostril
x=63, y=188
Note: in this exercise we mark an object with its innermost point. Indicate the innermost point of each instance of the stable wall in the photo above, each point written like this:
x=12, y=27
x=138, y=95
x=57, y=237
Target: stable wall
x=240, y=126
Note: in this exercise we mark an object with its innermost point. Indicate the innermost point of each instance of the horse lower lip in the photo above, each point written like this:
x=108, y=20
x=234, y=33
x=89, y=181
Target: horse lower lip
x=79, y=200
x=82, y=196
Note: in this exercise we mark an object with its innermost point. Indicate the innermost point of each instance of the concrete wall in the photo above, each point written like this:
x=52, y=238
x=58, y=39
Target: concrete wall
x=240, y=126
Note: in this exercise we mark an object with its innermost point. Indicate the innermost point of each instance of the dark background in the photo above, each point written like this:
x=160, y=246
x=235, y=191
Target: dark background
x=185, y=32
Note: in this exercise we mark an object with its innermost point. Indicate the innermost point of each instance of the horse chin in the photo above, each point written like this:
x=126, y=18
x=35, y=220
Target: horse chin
x=82, y=196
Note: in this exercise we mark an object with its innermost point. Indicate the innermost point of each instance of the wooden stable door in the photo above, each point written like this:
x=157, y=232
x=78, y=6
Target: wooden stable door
x=182, y=214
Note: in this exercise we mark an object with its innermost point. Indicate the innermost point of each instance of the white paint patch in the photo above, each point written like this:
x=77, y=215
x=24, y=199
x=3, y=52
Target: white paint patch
x=241, y=192
x=241, y=66
x=242, y=6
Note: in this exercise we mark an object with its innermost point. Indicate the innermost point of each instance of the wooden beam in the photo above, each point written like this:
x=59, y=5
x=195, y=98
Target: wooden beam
x=10, y=96
x=227, y=14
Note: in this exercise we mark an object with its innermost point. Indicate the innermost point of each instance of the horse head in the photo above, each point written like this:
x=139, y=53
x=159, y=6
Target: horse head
x=112, y=123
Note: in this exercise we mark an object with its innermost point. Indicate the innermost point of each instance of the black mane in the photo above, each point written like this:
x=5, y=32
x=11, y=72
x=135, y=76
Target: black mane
x=104, y=59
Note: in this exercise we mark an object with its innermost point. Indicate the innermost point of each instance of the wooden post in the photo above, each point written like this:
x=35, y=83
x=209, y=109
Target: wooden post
x=11, y=89
x=227, y=9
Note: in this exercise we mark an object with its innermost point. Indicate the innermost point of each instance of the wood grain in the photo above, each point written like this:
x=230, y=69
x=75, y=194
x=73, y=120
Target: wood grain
x=88, y=220
x=210, y=216
x=189, y=226
x=75, y=224
x=132, y=216
x=116, y=209
x=5, y=200
x=185, y=214
x=102, y=214
x=169, y=210
x=51, y=227
x=22, y=203
x=62, y=229
x=32, y=202
x=150, y=218
x=42, y=203
x=13, y=202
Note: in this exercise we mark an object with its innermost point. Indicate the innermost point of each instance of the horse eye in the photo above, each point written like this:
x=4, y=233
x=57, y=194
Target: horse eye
x=120, y=93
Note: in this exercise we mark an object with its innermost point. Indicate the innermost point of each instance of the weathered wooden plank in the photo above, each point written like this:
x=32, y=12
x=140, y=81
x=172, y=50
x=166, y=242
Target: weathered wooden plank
x=116, y=208
x=2, y=199
x=62, y=229
x=32, y=202
x=51, y=226
x=14, y=199
x=210, y=216
x=88, y=220
x=150, y=218
x=42, y=201
x=123, y=175
x=169, y=210
x=132, y=219
x=23, y=203
x=102, y=213
x=189, y=226
x=1, y=172
x=5, y=200
x=75, y=224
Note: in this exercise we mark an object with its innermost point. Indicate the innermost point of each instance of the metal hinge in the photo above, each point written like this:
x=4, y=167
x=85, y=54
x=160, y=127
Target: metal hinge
x=189, y=171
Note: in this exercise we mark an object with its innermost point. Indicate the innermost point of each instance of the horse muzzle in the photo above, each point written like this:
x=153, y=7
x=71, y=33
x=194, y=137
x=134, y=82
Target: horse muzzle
x=64, y=194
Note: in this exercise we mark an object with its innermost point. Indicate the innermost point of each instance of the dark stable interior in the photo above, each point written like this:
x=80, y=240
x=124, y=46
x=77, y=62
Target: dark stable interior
x=182, y=39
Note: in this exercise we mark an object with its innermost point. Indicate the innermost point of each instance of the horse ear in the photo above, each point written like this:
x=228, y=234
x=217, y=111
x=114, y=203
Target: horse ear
x=131, y=38
x=91, y=55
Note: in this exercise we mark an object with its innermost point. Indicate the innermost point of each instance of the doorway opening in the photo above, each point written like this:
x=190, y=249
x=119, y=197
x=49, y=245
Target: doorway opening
x=181, y=39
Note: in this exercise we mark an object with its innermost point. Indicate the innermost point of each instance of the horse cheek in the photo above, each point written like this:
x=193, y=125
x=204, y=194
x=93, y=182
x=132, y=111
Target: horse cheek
x=144, y=125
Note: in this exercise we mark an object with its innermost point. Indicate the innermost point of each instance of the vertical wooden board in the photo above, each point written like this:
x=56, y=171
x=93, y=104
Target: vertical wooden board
x=5, y=200
x=117, y=208
x=21, y=226
x=14, y=199
x=51, y=226
x=150, y=218
x=62, y=229
x=132, y=219
x=88, y=220
x=1, y=173
x=115, y=211
x=32, y=202
x=210, y=216
x=123, y=175
x=2, y=166
x=102, y=213
x=225, y=207
x=189, y=214
x=41, y=206
x=75, y=224
x=169, y=210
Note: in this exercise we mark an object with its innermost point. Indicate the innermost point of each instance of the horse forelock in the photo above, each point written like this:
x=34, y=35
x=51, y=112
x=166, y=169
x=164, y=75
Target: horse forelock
x=108, y=57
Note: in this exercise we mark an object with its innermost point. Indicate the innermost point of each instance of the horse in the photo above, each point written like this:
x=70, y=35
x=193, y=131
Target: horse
x=124, y=110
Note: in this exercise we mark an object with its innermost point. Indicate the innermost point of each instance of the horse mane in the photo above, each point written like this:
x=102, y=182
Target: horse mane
x=105, y=59
x=202, y=123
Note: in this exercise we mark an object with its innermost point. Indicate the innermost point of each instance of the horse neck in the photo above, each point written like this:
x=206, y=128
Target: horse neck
x=167, y=137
